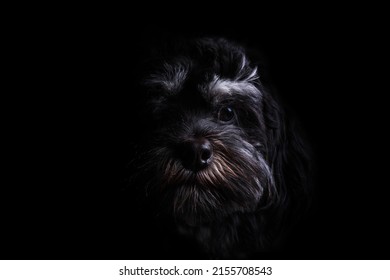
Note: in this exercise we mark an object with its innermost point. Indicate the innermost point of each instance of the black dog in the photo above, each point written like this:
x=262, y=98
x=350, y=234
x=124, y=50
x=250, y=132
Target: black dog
x=217, y=159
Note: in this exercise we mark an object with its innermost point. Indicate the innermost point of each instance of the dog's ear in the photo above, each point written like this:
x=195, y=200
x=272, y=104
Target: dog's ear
x=288, y=155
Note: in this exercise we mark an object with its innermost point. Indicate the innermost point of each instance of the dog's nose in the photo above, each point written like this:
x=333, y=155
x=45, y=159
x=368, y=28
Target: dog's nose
x=197, y=154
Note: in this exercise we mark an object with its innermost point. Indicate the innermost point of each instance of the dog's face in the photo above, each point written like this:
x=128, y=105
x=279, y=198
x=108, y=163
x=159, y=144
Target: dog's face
x=206, y=154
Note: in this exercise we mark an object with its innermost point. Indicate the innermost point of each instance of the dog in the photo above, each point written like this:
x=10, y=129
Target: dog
x=217, y=161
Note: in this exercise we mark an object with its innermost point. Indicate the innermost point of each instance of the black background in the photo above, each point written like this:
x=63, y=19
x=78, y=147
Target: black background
x=68, y=124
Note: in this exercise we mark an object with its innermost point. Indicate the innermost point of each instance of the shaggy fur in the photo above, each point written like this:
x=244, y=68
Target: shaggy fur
x=217, y=161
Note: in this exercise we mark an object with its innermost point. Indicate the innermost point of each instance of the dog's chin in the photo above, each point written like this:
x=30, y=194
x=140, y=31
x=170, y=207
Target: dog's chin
x=198, y=202
x=193, y=220
x=207, y=217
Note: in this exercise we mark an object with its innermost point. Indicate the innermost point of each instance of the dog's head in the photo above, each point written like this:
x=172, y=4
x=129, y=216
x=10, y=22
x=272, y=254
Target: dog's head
x=213, y=142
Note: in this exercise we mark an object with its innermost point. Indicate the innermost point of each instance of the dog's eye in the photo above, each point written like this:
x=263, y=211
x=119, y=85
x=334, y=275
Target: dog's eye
x=225, y=114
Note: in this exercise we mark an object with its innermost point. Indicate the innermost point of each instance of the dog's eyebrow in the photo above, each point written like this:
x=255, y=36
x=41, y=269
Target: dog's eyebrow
x=220, y=87
x=171, y=77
